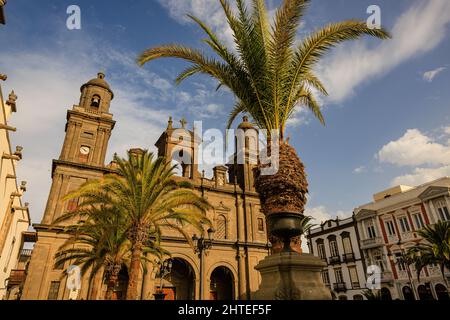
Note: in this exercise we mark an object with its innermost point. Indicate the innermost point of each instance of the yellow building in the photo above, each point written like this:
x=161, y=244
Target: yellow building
x=14, y=216
x=225, y=271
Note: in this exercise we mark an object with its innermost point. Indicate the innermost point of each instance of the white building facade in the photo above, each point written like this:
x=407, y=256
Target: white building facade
x=388, y=227
x=336, y=242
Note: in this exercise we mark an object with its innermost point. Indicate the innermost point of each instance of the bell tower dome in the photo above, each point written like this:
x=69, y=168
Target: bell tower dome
x=96, y=94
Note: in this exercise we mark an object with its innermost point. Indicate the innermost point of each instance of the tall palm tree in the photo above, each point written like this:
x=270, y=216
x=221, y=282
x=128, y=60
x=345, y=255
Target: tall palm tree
x=270, y=75
x=434, y=250
x=99, y=244
x=143, y=190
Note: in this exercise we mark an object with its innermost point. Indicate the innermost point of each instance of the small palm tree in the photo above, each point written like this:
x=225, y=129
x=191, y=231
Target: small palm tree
x=435, y=250
x=99, y=244
x=144, y=192
x=270, y=75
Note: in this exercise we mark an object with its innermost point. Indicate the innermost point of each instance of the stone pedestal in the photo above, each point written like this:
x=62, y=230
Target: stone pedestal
x=291, y=276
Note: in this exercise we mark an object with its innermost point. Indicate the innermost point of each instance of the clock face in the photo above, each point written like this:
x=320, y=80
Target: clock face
x=85, y=150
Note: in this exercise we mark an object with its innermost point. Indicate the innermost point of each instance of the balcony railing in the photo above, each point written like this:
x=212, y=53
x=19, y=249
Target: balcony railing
x=348, y=257
x=371, y=243
x=26, y=252
x=340, y=287
x=16, y=277
x=335, y=260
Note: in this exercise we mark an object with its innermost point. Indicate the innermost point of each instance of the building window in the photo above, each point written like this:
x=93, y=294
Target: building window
x=321, y=249
x=334, y=248
x=54, y=290
x=338, y=275
x=371, y=230
x=260, y=224
x=400, y=264
x=378, y=257
x=404, y=225
x=72, y=205
x=326, y=277
x=390, y=228
x=221, y=232
x=442, y=209
x=418, y=220
x=354, y=277
x=347, y=245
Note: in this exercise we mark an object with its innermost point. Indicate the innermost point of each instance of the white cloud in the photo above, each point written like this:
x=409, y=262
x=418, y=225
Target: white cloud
x=422, y=175
x=430, y=75
x=208, y=11
x=359, y=170
x=430, y=158
x=355, y=64
x=414, y=149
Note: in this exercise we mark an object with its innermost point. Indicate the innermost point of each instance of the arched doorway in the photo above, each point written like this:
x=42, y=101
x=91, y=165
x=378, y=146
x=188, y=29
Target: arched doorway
x=386, y=294
x=441, y=292
x=358, y=297
x=343, y=298
x=222, y=284
x=180, y=283
x=408, y=294
x=425, y=292
x=120, y=290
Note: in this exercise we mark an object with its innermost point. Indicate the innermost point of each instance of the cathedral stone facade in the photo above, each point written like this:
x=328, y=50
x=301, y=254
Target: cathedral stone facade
x=225, y=271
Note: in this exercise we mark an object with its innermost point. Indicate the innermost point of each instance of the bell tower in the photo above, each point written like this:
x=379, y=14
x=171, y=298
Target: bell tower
x=88, y=129
x=89, y=125
x=246, y=155
x=180, y=145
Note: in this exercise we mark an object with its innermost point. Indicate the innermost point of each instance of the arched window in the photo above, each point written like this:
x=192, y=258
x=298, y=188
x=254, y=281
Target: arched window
x=358, y=297
x=441, y=292
x=95, y=101
x=221, y=230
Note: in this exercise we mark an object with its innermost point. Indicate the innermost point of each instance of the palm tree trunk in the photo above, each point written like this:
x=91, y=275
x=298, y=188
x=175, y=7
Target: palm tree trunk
x=135, y=267
x=95, y=285
x=112, y=281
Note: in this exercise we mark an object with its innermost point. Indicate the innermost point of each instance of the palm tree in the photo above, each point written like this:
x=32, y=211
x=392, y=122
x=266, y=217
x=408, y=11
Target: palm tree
x=434, y=250
x=97, y=245
x=270, y=76
x=100, y=245
x=143, y=190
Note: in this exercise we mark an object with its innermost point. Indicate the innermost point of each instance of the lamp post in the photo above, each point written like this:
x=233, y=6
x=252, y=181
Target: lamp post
x=164, y=269
x=200, y=246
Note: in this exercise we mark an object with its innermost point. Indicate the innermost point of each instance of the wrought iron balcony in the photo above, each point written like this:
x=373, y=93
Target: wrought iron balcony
x=340, y=287
x=371, y=243
x=348, y=257
x=16, y=277
x=334, y=260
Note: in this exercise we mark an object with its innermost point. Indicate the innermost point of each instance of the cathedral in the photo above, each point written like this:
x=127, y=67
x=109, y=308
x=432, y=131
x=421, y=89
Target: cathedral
x=223, y=271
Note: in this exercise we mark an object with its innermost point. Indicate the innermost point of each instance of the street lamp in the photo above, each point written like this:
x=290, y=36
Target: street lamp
x=164, y=269
x=200, y=246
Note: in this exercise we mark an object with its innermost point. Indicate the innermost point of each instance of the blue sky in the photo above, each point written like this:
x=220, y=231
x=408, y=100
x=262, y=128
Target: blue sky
x=388, y=114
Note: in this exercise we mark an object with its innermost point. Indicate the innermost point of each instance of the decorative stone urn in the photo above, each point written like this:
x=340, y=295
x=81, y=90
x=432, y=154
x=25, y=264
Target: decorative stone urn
x=288, y=275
